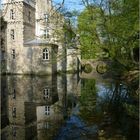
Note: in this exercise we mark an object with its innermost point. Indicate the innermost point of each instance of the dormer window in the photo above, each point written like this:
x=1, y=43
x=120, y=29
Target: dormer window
x=12, y=14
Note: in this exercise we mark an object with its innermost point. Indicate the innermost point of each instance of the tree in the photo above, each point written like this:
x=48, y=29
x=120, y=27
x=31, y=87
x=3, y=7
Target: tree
x=88, y=22
x=110, y=27
x=121, y=26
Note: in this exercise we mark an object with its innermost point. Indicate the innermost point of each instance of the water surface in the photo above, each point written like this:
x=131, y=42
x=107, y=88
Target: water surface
x=67, y=108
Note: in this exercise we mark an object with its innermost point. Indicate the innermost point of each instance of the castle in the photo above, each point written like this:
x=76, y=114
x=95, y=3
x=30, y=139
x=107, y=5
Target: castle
x=35, y=39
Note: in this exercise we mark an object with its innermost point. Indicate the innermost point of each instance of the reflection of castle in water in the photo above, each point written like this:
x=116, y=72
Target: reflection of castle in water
x=37, y=106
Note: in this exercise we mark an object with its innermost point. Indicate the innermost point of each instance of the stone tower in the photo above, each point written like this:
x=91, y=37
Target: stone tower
x=20, y=18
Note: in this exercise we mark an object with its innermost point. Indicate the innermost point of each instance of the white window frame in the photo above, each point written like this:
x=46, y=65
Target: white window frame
x=47, y=110
x=46, y=17
x=45, y=54
x=46, y=33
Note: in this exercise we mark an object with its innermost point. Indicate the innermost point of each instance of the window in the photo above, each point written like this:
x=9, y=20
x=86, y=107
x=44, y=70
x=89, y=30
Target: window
x=46, y=125
x=13, y=53
x=47, y=110
x=29, y=16
x=46, y=93
x=14, y=131
x=46, y=17
x=14, y=112
x=12, y=34
x=12, y=14
x=14, y=94
x=2, y=55
x=45, y=54
x=46, y=33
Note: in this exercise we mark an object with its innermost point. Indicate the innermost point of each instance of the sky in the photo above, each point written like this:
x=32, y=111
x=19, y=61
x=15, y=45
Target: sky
x=71, y=4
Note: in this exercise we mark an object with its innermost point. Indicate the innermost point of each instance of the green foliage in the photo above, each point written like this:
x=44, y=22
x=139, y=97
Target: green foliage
x=87, y=28
x=88, y=97
x=88, y=91
x=112, y=28
x=132, y=110
x=120, y=27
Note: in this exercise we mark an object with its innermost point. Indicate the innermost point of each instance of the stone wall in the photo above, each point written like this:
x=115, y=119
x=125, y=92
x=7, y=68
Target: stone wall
x=23, y=30
x=28, y=60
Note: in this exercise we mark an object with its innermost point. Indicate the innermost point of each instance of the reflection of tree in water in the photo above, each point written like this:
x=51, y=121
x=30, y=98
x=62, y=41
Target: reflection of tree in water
x=88, y=99
x=116, y=113
x=4, y=103
x=123, y=110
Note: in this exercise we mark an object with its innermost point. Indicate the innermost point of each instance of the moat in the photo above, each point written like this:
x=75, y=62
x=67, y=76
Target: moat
x=67, y=107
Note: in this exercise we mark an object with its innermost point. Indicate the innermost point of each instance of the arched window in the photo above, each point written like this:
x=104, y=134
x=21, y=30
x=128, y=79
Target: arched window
x=45, y=54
